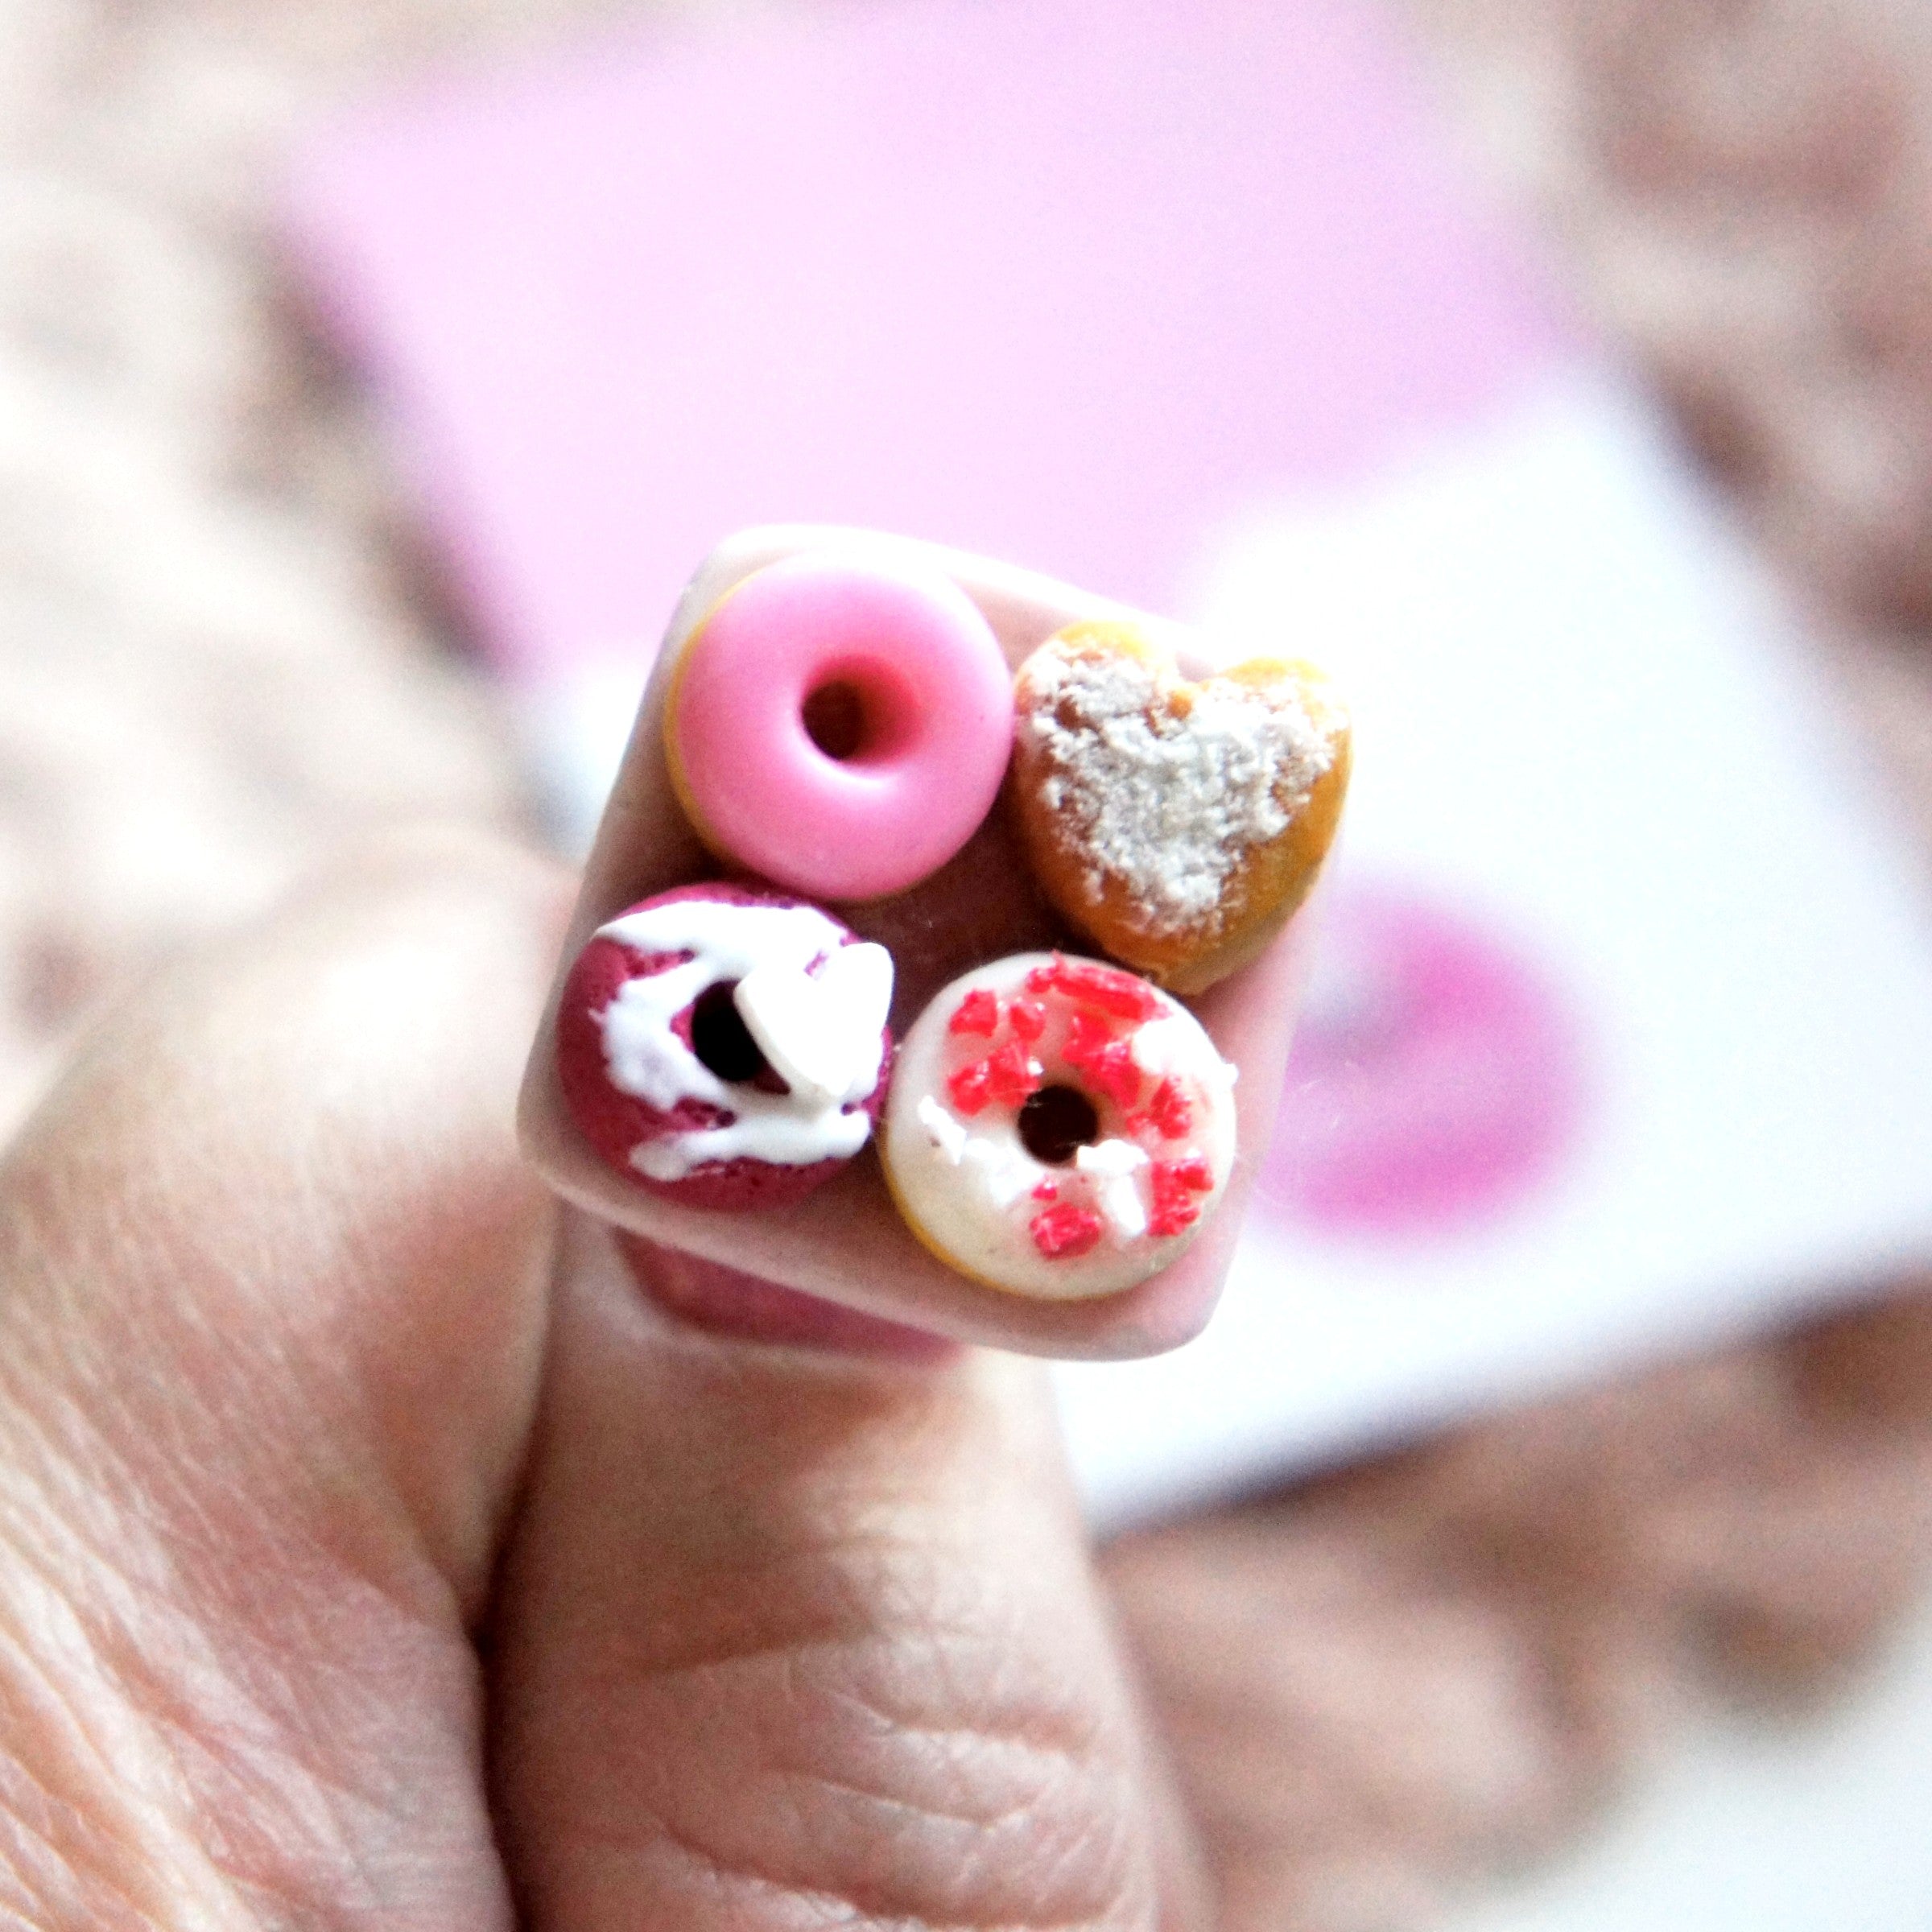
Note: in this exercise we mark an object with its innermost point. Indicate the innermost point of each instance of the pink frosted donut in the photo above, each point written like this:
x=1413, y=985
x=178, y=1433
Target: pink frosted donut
x=1057, y=1128
x=725, y=1048
x=841, y=727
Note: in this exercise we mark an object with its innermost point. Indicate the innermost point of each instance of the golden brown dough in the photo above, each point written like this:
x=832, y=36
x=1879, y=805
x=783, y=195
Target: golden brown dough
x=1177, y=824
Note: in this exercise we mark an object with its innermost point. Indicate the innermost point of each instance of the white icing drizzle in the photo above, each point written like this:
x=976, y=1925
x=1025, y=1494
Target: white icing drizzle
x=821, y=1031
x=1168, y=800
x=948, y=1134
x=644, y=1057
x=1171, y=1045
x=1113, y=1165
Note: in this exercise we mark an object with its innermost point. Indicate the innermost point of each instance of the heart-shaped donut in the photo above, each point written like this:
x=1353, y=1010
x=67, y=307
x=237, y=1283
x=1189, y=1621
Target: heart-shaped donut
x=1177, y=824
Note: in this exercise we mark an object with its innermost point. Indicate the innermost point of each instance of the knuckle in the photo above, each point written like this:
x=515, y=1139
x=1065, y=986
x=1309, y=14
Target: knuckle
x=920, y=1774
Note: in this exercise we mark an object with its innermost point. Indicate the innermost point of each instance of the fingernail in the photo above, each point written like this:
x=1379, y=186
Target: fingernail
x=722, y=1301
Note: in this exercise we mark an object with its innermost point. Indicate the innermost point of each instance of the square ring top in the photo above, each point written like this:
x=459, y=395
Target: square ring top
x=846, y=1241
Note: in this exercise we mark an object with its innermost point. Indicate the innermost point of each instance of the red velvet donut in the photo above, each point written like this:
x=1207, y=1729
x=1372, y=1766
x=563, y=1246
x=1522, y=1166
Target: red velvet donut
x=661, y=1062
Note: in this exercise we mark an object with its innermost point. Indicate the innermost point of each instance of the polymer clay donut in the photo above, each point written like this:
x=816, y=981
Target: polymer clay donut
x=1057, y=1128
x=725, y=1048
x=1177, y=824
x=840, y=727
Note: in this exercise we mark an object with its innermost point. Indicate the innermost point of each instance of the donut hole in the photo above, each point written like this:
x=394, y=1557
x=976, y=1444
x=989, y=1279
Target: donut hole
x=1056, y=1123
x=835, y=720
x=720, y=1039
x=860, y=714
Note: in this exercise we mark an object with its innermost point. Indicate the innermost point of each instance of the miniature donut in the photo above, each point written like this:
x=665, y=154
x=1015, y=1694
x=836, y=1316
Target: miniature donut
x=725, y=1048
x=1177, y=824
x=1057, y=1127
x=840, y=727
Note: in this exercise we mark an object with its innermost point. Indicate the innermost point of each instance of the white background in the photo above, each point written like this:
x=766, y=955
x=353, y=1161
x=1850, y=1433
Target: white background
x=1574, y=708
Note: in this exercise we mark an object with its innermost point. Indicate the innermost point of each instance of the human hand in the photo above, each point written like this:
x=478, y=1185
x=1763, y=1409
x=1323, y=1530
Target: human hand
x=372, y=1551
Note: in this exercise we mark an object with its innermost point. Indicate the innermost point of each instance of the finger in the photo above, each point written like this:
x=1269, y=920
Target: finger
x=788, y=1637
x=269, y=1347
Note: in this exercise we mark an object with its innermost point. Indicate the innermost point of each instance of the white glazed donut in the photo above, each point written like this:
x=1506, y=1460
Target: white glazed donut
x=1057, y=1128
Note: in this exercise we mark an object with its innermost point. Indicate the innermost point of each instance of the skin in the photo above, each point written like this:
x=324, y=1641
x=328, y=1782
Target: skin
x=375, y=1552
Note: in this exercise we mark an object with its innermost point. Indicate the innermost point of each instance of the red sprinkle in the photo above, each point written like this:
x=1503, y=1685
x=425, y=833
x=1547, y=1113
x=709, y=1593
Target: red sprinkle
x=1114, y=1074
x=1029, y=1019
x=1044, y=979
x=1121, y=994
x=1192, y=1172
x=1169, y=1111
x=970, y=1086
x=1086, y=1036
x=1171, y=1215
x=1047, y=1191
x=1011, y=1077
x=1006, y=1076
x=978, y=1012
x=1106, y=1063
x=1065, y=1232
x=1174, y=1183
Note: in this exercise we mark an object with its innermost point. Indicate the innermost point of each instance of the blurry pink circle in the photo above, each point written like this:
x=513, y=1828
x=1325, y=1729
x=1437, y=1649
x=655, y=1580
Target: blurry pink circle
x=1438, y=1076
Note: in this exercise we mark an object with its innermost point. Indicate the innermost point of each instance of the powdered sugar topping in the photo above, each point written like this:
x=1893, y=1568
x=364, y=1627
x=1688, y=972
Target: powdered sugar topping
x=1164, y=793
